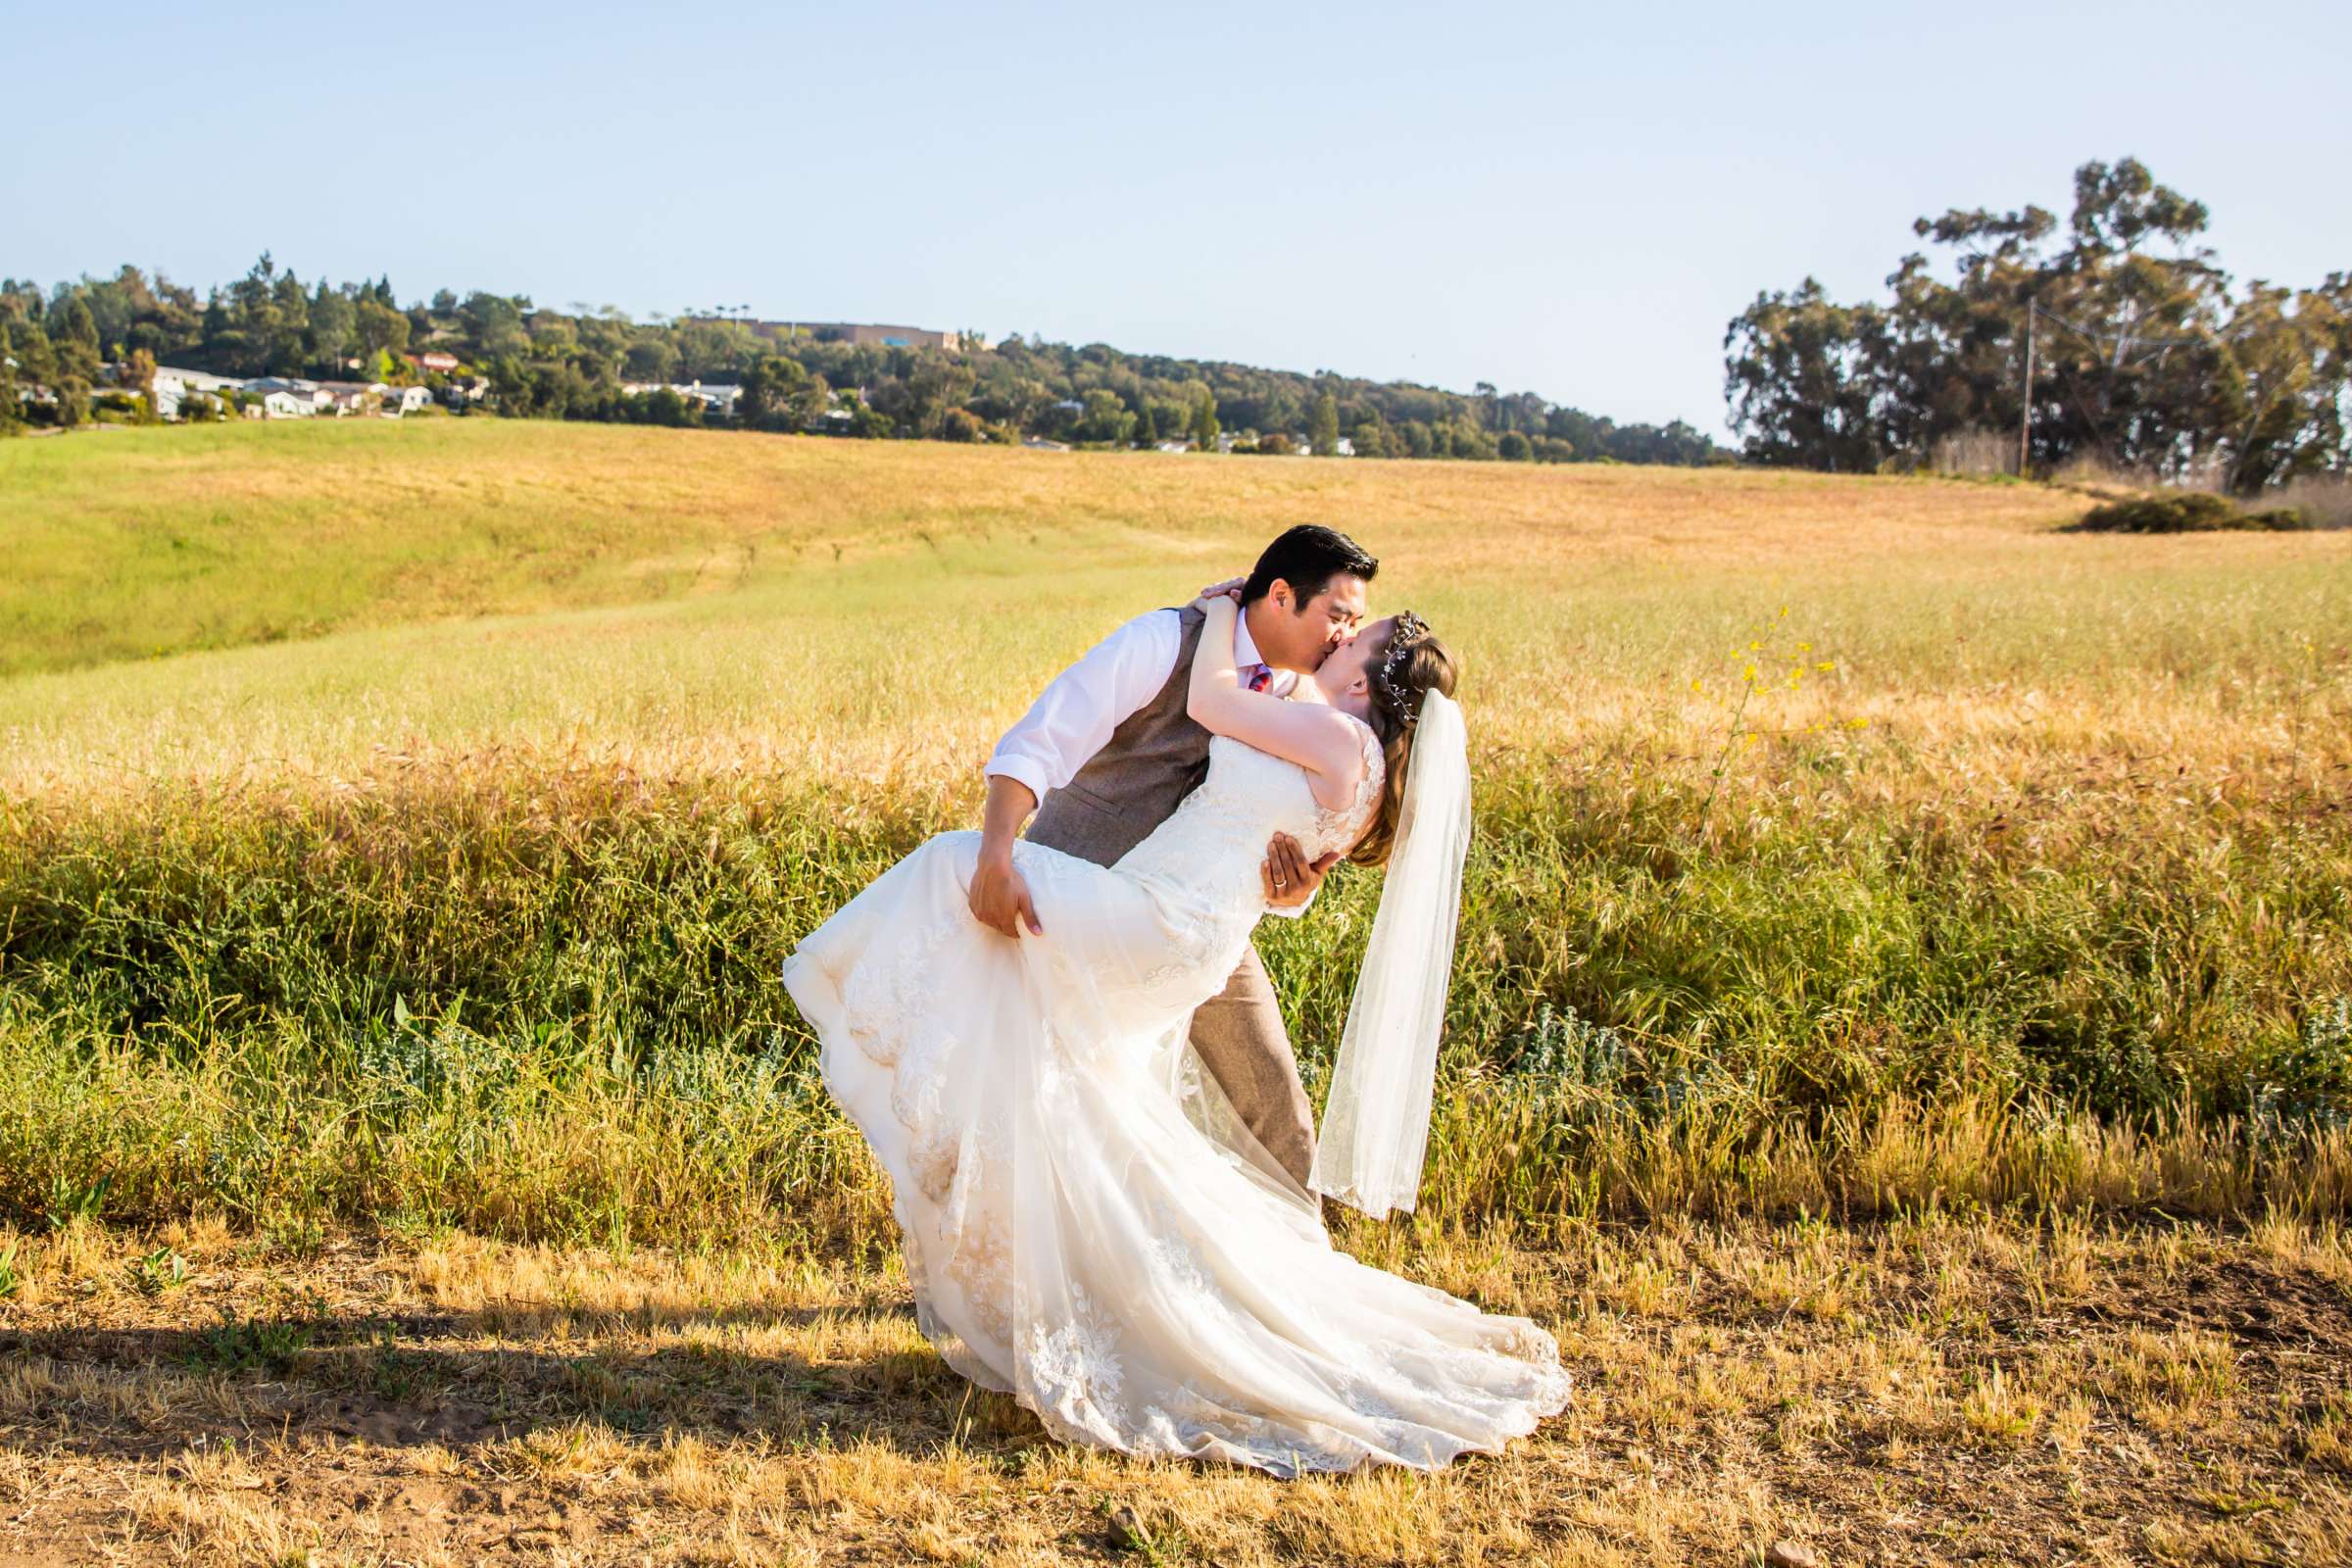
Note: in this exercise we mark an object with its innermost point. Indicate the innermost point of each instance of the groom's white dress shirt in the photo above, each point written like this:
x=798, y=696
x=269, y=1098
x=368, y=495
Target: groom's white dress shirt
x=1075, y=715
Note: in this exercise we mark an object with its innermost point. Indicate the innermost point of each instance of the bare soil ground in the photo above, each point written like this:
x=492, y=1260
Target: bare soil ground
x=1940, y=1392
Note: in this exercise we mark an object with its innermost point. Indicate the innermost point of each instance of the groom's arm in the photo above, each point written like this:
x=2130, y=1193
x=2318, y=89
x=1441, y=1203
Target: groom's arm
x=1000, y=893
x=1067, y=725
x=1074, y=716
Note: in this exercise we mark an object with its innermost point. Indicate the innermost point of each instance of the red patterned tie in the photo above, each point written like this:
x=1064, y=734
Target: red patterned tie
x=1261, y=677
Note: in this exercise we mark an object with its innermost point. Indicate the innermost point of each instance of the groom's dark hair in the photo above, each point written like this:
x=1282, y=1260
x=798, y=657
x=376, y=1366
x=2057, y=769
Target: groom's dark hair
x=1308, y=557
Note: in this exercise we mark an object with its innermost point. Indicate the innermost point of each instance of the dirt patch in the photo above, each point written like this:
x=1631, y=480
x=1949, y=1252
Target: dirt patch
x=1888, y=1394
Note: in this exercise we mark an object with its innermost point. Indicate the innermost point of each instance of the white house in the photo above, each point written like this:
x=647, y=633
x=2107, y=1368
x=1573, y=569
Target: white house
x=291, y=391
x=402, y=400
x=195, y=381
x=352, y=397
x=716, y=397
x=173, y=384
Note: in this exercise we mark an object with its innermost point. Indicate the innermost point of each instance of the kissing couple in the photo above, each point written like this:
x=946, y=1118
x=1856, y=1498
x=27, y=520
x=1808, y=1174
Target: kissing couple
x=1065, y=1052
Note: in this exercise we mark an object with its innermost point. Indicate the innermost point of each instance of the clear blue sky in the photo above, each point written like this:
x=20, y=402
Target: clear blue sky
x=1568, y=199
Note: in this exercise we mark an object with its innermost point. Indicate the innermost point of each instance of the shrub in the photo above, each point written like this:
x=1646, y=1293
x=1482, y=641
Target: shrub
x=2185, y=511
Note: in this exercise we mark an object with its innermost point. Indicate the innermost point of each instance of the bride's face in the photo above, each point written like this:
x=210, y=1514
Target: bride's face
x=1345, y=678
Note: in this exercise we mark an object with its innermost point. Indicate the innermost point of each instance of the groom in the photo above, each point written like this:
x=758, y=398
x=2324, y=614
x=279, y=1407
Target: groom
x=1110, y=750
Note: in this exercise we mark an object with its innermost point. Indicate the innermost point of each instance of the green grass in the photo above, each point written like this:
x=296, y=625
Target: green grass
x=471, y=910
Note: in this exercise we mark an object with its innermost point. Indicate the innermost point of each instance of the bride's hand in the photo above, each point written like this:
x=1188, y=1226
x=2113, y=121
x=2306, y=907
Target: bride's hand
x=1209, y=604
x=1229, y=588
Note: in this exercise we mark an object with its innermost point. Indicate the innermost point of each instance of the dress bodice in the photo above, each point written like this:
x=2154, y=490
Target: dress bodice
x=1215, y=840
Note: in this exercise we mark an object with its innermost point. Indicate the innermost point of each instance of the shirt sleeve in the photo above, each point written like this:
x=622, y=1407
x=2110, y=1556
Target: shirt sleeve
x=1076, y=712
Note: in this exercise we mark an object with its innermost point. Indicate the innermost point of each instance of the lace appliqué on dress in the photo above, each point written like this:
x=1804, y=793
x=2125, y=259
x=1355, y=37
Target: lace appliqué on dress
x=1076, y=1369
x=878, y=999
x=1338, y=830
x=1191, y=947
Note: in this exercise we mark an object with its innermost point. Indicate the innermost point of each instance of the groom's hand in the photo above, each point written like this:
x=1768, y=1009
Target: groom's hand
x=1291, y=878
x=1000, y=897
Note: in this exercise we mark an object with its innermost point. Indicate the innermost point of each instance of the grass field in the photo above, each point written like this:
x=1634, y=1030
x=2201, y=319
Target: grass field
x=1902, y=1034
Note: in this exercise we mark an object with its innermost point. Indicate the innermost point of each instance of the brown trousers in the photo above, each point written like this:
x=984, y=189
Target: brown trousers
x=1240, y=1036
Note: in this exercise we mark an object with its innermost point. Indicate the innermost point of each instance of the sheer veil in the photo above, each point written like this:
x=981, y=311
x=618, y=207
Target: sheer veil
x=1376, y=1122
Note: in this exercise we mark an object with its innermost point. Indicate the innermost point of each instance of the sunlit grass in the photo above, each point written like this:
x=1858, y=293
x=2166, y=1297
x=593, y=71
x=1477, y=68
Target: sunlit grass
x=1868, y=841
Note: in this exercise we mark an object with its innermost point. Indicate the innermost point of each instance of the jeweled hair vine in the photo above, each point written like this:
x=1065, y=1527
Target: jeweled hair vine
x=1398, y=679
x=1402, y=701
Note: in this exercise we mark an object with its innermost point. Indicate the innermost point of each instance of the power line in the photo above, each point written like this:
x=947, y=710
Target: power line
x=2036, y=306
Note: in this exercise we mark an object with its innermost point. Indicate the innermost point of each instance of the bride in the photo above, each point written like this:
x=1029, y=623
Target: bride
x=1082, y=1227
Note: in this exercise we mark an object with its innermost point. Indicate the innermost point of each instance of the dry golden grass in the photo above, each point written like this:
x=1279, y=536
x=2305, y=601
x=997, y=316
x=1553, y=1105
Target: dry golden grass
x=887, y=607
x=1923, y=1391
x=162, y=540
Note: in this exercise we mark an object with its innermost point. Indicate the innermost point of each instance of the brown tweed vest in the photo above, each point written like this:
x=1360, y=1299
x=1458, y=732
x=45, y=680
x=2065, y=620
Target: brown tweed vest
x=1155, y=758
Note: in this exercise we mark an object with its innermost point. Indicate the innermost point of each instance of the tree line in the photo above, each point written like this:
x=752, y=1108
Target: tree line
x=2116, y=337
x=580, y=365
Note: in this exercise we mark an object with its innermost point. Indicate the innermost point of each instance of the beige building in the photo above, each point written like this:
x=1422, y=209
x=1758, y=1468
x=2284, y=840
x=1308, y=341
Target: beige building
x=886, y=337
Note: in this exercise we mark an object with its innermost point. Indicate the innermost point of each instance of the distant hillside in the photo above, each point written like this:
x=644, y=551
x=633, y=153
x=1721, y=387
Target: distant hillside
x=839, y=379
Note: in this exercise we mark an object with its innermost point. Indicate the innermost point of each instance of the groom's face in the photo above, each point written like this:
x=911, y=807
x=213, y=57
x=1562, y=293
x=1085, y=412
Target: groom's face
x=1303, y=633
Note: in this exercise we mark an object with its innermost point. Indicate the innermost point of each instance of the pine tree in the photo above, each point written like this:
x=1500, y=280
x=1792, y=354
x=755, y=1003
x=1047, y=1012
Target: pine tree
x=1323, y=426
x=1147, y=433
x=74, y=362
x=138, y=375
x=11, y=416
x=1205, y=422
x=77, y=350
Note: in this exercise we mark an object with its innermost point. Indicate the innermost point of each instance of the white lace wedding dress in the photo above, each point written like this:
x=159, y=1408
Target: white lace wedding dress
x=1074, y=1236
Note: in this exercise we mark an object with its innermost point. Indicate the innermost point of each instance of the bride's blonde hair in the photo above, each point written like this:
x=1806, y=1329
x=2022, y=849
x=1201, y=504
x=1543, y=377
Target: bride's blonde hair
x=1408, y=667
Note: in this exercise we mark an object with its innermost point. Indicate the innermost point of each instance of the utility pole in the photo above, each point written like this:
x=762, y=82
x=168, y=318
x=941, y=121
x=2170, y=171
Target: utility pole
x=2025, y=402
